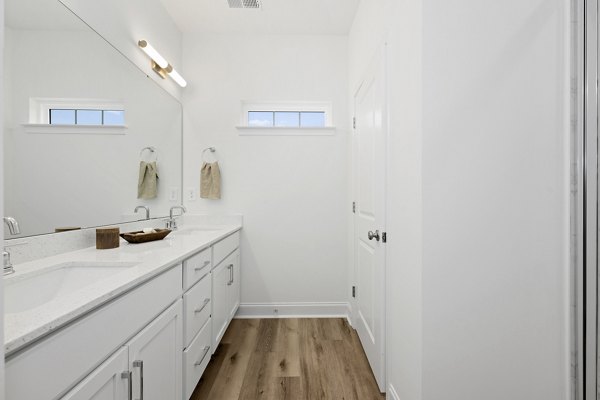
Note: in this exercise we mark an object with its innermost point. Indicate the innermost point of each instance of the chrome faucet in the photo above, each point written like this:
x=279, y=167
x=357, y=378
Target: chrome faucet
x=13, y=225
x=8, y=266
x=171, y=223
x=143, y=208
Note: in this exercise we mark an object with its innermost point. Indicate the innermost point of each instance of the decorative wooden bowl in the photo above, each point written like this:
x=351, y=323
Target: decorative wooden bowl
x=141, y=237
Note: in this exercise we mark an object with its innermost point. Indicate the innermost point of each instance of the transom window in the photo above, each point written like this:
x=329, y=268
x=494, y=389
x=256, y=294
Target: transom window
x=287, y=119
x=84, y=116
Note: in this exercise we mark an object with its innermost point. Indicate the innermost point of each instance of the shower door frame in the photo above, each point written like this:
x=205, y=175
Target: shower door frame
x=585, y=200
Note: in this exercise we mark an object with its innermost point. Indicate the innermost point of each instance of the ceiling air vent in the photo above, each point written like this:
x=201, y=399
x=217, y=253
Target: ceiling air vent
x=244, y=3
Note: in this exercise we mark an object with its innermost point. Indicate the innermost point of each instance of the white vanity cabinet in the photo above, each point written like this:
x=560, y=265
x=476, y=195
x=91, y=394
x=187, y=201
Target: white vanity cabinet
x=152, y=343
x=148, y=367
x=110, y=381
x=226, y=285
x=69, y=355
x=155, y=357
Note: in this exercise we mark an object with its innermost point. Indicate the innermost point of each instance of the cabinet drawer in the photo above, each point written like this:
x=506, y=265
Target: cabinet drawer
x=225, y=247
x=196, y=267
x=62, y=359
x=195, y=360
x=196, y=308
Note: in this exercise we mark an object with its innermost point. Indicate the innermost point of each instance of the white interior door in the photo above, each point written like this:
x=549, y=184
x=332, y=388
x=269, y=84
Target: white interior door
x=369, y=230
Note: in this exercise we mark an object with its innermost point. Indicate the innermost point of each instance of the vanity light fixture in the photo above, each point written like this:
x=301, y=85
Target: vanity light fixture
x=160, y=65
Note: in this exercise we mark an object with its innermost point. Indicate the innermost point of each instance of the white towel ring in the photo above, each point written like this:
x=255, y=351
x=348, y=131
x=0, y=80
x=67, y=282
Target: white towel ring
x=152, y=150
x=211, y=149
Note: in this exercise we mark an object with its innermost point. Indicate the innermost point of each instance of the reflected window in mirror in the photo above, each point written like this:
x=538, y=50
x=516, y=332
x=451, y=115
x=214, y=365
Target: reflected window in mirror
x=61, y=116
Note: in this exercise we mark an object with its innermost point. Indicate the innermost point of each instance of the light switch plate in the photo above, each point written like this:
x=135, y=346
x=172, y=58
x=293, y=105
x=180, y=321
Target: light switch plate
x=173, y=194
x=191, y=194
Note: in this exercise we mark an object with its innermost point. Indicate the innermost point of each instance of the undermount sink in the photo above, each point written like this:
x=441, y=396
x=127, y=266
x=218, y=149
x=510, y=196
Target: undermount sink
x=23, y=293
x=196, y=230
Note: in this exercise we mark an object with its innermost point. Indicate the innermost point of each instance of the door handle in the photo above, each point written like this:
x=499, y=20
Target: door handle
x=140, y=364
x=372, y=235
x=127, y=375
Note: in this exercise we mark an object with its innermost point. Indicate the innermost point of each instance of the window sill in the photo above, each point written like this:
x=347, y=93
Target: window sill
x=285, y=131
x=76, y=129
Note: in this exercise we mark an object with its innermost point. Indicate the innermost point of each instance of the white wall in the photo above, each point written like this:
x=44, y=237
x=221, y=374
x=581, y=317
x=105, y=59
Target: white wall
x=123, y=23
x=85, y=179
x=291, y=190
x=496, y=199
x=479, y=129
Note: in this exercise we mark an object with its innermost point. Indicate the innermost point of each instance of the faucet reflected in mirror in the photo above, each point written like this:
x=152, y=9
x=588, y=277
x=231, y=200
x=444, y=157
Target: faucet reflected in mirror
x=171, y=223
x=13, y=225
x=143, y=208
x=13, y=228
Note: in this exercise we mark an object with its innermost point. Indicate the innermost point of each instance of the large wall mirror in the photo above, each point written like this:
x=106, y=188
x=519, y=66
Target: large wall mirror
x=81, y=123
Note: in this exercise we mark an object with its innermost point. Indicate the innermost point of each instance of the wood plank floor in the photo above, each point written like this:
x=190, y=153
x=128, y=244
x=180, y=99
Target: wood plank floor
x=288, y=359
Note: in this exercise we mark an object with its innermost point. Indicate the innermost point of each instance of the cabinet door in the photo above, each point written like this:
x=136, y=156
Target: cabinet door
x=220, y=303
x=155, y=357
x=235, y=287
x=110, y=381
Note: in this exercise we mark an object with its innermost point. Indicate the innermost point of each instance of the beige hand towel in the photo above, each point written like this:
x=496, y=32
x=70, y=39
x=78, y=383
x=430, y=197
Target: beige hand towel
x=210, y=181
x=148, y=180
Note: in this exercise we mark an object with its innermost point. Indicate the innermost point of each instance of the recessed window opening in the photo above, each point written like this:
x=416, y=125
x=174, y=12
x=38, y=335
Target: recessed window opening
x=66, y=116
x=287, y=119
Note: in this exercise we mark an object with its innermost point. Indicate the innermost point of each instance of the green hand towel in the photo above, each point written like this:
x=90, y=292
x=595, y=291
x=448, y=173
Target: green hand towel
x=148, y=180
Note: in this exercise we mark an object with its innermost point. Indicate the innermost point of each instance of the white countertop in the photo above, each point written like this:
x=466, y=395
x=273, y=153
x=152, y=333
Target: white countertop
x=151, y=259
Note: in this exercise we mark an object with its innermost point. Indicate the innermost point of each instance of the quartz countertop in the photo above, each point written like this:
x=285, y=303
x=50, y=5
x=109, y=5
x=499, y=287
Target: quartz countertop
x=150, y=259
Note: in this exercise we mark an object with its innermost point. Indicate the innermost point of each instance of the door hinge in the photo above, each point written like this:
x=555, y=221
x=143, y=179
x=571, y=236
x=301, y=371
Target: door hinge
x=354, y=122
x=354, y=207
x=354, y=291
x=384, y=237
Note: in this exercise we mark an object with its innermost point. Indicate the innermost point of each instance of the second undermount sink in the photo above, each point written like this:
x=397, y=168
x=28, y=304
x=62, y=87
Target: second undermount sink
x=23, y=293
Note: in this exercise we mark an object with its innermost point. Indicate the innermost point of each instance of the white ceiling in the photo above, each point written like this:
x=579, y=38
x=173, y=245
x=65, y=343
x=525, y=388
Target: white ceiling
x=310, y=17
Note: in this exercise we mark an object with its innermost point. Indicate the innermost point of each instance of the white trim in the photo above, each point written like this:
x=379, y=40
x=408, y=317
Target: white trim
x=285, y=131
x=293, y=310
x=393, y=395
x=76, y=129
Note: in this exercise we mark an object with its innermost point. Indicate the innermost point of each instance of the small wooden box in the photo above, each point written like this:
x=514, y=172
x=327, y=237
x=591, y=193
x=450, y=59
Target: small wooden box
x=107, y=238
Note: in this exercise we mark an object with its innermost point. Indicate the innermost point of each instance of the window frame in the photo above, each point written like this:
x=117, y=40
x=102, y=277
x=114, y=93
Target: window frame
x=296, y=106
x=39, y=116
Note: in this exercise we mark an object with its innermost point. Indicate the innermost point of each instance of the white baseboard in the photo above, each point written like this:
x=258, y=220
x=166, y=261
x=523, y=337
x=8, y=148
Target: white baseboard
x=392, y=394
x=293, y=310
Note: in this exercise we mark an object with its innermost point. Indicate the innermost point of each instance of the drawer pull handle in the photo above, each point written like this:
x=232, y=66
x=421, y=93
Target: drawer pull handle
x=140, y=364
x=230, y=267
x=127, y=375
x=206, y=349
x=202, y=267
x=199, y=310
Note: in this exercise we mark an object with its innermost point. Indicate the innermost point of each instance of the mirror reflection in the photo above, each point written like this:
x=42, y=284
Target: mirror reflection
x=88, y=137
